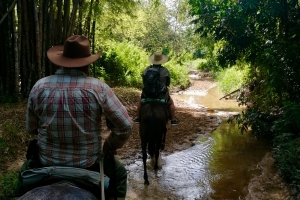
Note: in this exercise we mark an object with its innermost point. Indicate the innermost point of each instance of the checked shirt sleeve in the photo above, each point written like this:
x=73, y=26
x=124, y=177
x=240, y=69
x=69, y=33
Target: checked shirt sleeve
x=118, y=120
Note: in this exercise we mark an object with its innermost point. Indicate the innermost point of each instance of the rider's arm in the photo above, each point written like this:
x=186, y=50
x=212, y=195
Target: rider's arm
x=167, y=81
x=31, y=120
x=118, y=120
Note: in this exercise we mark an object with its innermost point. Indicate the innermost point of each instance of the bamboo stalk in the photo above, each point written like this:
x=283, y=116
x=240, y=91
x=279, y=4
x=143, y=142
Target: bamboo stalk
x=27, y=53
x=50, y=33
x=34, y=71
x=66, y=17
x=16, y=52
x=10, y=8
x=79, y=22
x=59, y=36
x=45, y=37
x=88, y=21
x=37, y=37
x=73, y=18
x=41, y=13
x=19, y=9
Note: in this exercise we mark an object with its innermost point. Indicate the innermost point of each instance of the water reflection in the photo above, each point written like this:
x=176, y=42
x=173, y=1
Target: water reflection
x=233, y=158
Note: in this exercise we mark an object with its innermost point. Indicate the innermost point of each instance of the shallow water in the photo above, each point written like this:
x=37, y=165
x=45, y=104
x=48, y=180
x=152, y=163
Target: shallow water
x=217, y=167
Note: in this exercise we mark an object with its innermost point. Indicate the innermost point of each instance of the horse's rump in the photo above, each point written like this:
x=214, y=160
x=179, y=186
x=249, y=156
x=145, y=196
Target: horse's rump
x=154, y=111
x=153, y=119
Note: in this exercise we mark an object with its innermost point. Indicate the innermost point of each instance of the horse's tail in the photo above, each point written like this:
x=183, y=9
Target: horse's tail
x=153, y=132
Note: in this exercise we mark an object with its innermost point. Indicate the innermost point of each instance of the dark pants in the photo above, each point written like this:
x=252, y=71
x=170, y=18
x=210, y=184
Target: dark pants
x=118, y=177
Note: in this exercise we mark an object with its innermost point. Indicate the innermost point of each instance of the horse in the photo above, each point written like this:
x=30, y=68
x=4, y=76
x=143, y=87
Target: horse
x=153, y=120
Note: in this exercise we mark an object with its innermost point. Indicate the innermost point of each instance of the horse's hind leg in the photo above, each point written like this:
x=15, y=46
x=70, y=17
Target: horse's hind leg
x=162, y=147
x=157, y=148
x=144, y=146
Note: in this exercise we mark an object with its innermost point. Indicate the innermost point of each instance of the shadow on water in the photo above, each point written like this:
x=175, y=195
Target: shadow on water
x=217, y=167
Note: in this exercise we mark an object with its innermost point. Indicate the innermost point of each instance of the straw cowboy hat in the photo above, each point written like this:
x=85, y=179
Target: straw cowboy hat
x=74, y=53
x=158, y=58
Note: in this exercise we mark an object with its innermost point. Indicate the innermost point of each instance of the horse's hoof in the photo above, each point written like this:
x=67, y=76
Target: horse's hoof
x=146, y=182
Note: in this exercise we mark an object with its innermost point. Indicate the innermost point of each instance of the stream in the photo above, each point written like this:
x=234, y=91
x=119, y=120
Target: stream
x=218, y=166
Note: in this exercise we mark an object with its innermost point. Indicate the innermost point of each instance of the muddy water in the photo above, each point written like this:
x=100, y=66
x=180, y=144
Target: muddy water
x=217, y=167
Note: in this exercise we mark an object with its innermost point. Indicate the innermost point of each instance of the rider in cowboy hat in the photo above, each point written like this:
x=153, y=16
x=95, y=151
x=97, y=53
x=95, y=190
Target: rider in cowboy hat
x=157, y=59
x=64, y=110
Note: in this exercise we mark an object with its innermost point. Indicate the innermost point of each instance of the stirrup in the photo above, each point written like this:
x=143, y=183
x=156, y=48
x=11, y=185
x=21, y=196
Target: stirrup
x=136, y=120
x=175, y=122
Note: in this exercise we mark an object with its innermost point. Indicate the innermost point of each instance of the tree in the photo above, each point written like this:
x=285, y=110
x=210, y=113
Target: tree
x=26, y=36
x=265, y=33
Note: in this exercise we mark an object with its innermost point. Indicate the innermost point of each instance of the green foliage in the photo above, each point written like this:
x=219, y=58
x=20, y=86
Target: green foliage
x=122, y=64
x=211, y=55
x=178, y=73
x=233, y=78
x=195, y=63
x=7, y=184
x=208, y=65
x=287, y=142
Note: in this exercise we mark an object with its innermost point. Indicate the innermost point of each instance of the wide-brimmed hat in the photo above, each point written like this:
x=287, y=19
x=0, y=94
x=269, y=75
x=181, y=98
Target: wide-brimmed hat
x=158, y=58
x=74, y=53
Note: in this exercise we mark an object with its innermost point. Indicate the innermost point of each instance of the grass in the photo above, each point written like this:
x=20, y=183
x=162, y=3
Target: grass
x=7, y=184
x=13, y=143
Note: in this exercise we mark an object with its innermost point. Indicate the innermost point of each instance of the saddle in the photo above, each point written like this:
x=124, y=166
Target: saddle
x=82, y=178
x=145, y=101
x=34, y=174
x=149, y=100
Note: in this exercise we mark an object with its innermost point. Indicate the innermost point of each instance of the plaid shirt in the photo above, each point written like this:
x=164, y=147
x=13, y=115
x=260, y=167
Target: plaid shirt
x=65, y=110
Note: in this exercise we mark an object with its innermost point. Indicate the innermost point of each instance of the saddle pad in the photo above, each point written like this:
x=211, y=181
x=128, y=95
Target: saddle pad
x=32, y=176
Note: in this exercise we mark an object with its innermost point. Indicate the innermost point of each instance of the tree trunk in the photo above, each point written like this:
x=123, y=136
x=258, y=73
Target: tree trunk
x=16, y=51
x=10, y=8
x=73, y=18
x=37, y=37
x=79, y=22
x=50, y=33
x=88, y=20
x=59, y=36
x=66, y=17
x=20, y=28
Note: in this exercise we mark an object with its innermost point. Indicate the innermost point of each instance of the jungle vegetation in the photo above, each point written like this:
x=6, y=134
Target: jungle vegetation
x=248, y=44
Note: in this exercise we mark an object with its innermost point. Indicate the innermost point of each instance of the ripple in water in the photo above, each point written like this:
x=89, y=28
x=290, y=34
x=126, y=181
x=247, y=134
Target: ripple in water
x=184, y=174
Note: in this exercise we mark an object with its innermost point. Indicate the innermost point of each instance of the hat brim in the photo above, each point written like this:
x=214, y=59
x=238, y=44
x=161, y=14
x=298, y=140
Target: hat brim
x=164, y=59
x=55, y=55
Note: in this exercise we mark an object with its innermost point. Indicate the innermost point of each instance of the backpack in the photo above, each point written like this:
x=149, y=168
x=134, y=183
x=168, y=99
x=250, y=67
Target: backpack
x=151, y=82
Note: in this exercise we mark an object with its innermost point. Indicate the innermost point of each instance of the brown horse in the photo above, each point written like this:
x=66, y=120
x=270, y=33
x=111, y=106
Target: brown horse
x=153, y=120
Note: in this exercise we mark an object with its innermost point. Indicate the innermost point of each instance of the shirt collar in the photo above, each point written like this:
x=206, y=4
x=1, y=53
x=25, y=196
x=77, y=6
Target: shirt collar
x=72, y=72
